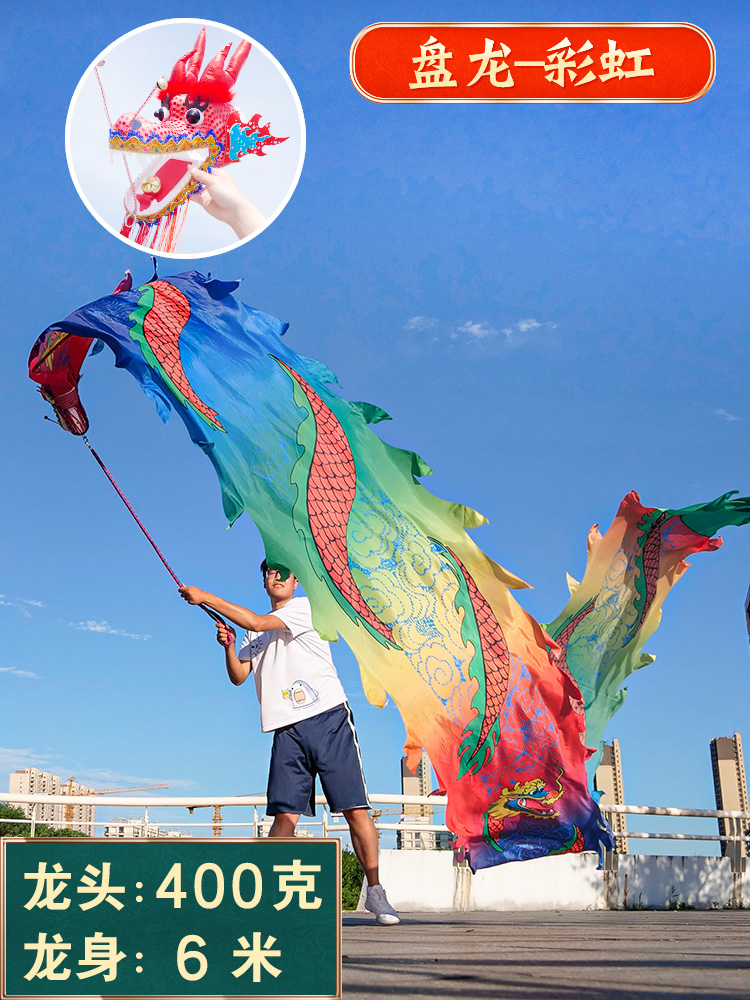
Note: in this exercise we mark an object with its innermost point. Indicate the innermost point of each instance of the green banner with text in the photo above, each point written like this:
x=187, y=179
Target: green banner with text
x=171, y=917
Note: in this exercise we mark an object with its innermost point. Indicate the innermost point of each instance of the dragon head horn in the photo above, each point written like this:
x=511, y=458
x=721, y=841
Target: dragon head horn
x=217, y=80
x=184, y=75
x=237, y=61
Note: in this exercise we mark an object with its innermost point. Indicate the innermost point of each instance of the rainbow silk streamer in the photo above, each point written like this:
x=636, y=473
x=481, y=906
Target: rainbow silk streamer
x=616, y=608
x=483, y=687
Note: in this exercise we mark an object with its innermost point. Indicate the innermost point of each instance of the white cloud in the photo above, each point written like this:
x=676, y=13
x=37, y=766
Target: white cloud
x=106, y=628
x=420, y=323
x=475, y=331
x=726, y=416
x=12, y=759
x=8, y=603
x=19, y=604
x=524, y=325
x=19, y=673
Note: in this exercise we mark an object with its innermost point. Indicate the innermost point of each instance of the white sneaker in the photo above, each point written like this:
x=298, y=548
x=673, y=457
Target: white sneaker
x=377, y=903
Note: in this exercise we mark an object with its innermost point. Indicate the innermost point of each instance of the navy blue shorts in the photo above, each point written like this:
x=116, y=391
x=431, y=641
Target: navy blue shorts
x=325, y=745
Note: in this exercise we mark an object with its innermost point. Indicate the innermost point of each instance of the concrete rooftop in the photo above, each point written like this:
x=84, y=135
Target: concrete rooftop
x=554, y=955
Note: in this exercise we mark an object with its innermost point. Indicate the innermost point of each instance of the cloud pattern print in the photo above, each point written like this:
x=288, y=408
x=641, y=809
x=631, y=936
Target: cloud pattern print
x=504, y=707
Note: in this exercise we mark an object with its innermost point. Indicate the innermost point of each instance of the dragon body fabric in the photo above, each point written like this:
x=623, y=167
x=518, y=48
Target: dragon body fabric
x=485, y=689
x=613, y=612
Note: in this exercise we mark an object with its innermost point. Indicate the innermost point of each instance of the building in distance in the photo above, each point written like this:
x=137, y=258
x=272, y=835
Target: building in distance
x=265, y=824
x=419, y=782
x=139, y=827
x=32, y=781
x=730, y=787
x=608, y=781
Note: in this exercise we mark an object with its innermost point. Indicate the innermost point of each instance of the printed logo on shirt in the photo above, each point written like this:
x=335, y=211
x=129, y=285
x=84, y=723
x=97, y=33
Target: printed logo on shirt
x=257, y=645
x=300, y=694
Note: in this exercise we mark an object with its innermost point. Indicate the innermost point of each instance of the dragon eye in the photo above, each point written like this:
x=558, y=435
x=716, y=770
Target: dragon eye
x=195, y=108
x=163, y=113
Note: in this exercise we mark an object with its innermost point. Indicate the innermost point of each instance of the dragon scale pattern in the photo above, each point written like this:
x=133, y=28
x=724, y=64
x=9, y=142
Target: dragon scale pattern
x=495, y=657
x=162, y=326
x=559, y=658
x=495, y=827
x=650, y=556
x=331, y=487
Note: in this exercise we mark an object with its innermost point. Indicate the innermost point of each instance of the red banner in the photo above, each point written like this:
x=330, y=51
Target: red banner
x=554, y=62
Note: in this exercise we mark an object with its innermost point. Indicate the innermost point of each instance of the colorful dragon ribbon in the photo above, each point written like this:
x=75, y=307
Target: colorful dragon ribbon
x=387, y=565
x=616, y=608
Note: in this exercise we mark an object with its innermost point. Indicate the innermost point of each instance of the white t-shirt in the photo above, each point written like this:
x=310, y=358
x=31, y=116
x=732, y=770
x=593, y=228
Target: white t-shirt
x=292, y=668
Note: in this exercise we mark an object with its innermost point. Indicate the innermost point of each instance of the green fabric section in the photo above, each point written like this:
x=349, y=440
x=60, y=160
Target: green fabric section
x=469, y=761
x=283, y=571
x=708, y=518
x=371, y=413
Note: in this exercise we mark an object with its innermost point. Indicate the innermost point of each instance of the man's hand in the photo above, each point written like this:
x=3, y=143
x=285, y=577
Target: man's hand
x=193, y=595
x=225, y=635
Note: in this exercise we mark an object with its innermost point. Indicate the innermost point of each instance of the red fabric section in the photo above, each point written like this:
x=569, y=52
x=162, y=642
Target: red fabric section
x=170, y=174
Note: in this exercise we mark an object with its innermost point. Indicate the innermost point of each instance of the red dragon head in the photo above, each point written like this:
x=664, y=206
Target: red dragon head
x=197, y=125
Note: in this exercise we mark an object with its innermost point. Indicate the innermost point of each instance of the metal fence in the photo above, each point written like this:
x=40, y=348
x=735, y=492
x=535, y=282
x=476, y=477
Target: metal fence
x=737, y=823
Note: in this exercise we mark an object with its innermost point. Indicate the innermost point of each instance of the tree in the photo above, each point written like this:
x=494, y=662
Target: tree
x=352, y=876
x=12, y=829
x=8, y=812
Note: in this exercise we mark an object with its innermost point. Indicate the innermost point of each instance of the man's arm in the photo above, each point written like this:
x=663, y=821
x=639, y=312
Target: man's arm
x=234, y=612
x=237, y=669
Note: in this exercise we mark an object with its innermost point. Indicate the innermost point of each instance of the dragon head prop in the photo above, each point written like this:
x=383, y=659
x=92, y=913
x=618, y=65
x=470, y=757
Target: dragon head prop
x=196, y=125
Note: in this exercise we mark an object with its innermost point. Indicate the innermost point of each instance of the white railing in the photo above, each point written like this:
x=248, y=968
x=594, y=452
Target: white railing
x=736, y=819
x=737, y=822
x=329, y=822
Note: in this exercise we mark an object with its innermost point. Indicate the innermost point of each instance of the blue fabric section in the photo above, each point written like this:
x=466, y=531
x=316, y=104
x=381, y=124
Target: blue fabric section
x=227, y=351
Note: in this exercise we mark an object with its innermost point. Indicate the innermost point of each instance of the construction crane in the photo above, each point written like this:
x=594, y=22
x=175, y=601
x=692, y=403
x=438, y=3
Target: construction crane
x=377, y=813
x=68, y=790
x=217, y=820
x=216, y=825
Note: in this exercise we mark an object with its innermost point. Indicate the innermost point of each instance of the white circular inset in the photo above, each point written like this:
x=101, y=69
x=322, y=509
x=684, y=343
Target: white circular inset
x=131, y=96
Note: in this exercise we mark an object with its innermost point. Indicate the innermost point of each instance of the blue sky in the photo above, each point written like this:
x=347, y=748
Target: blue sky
x=609, y=240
